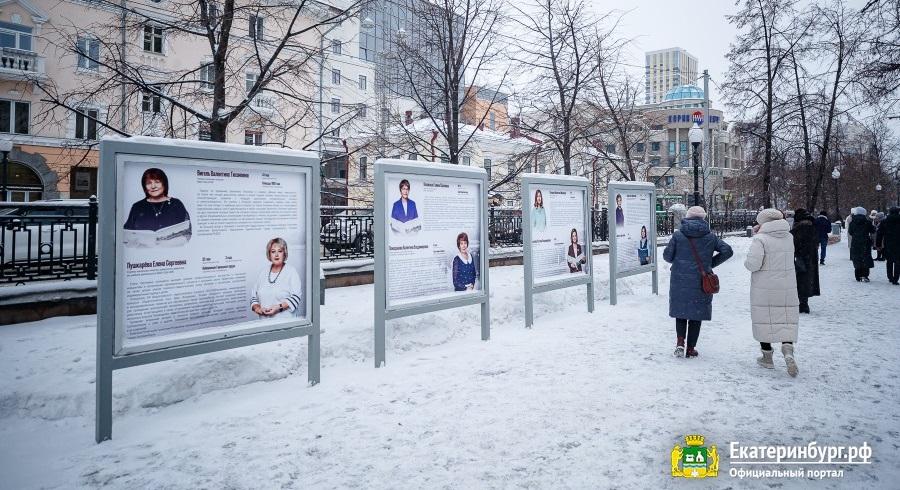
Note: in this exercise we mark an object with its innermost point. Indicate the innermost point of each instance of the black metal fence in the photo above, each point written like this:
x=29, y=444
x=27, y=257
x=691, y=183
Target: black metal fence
x=48, y=241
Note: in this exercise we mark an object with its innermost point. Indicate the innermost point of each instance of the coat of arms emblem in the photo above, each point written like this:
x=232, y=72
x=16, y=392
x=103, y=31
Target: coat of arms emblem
x=694, y=460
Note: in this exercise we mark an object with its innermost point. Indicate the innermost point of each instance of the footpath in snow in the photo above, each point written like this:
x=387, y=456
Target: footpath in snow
x=579, y=401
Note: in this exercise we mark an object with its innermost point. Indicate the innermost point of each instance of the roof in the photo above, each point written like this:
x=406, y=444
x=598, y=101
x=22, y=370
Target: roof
x=684, y=92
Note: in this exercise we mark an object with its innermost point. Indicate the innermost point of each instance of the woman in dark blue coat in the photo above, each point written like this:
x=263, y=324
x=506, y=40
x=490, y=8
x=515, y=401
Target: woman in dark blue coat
x=688, y=304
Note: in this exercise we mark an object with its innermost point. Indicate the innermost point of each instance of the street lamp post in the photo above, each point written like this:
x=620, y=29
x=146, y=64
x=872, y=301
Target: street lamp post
x=695, y=135
x=835, y=175
x=879, y=200
x=5, y=147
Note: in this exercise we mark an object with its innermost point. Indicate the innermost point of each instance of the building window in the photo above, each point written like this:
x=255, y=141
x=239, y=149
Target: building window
x=671, y=148
x=542, y=167
x=153, y=39
x=362, y=82
x=86, y=123
x=639, y=147
x=250, y=79
x=88, y=53
x=256, y=27
x=335, y=105
x=335, y=76
x=204, y=133
x=15, y=36
x=336, y=46
x=491, y=120
x=487, y=167
x=510, y=167
x=611, y=148
x=466, y=160
x=14, y=117
x=151, y=102
x=208, y=76
x=654, y=146
x=363, y=171
x=445, y=159
x=654, y=161
x=253, y=137
x=362, y=110
x=413, y=156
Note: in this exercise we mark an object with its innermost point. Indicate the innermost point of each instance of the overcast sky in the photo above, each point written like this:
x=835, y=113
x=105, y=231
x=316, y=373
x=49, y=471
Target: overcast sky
x=699, y=27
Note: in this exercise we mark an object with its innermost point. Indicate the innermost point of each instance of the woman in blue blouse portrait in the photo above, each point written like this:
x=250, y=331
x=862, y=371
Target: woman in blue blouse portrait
x=538, y=214
x=404, y=216
x=643, y=247
x=465, y=269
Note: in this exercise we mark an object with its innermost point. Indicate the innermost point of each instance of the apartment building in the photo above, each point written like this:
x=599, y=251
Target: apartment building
x=59, y=93
x=666, y=69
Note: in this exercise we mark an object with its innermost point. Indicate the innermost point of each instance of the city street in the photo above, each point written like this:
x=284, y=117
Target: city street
x=579, y=401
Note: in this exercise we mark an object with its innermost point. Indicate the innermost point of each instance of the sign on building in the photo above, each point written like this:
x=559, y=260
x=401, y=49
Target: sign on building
x=632, y=232
x=431, y=247
x=556, y=224
x=204, y=247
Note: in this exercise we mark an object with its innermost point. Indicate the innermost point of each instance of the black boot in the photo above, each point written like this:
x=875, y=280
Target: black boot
x=804, y=306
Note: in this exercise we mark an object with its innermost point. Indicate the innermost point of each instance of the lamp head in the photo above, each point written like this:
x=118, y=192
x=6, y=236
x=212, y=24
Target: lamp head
x=695, y=134
x=6, y=145
x=835, y=174
x=878, y=187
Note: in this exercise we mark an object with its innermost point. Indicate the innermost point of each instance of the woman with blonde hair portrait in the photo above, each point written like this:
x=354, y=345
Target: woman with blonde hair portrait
x=278, y=291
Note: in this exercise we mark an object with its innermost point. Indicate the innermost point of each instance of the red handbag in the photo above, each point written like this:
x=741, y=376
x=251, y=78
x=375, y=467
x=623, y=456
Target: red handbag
x=709, y=281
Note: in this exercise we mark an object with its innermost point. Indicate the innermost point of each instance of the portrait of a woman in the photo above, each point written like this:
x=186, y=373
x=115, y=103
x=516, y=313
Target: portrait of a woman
x=404, y=215
x=643, y=247
x=538, y=214
x=575, y=254
x=620, y=213
x=158, y=211
x=465, y=268
x=278, y=289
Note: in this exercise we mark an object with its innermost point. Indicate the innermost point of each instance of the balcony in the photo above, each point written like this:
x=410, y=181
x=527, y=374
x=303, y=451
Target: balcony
x=17, y=64
x=263, y=104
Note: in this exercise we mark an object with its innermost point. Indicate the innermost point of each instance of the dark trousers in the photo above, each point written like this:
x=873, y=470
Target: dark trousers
x=692, y=333
x=823, y=247
x=860, y=273
x=893, y=268
x=768, y=346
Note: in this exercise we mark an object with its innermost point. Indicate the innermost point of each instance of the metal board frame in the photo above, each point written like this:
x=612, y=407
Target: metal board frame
x=616, y=188
x=383, y=167
x=108, y=305
x=529, y=181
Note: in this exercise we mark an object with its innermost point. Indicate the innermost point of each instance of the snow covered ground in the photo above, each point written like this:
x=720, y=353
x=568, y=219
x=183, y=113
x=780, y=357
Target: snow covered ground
x=579, y=401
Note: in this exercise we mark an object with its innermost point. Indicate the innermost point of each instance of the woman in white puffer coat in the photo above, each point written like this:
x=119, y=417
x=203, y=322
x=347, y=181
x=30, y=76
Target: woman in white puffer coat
x=773, y=288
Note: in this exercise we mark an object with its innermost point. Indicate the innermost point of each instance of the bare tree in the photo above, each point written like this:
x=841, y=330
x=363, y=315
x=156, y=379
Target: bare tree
x=452, y=43
x=616, y=113
x=756, y=78
x=559, y=48
x=254, y=59
x=880, y=69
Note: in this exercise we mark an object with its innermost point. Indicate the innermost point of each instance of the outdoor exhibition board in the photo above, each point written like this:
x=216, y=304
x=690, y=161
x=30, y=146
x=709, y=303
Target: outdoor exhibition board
x=632, y=232
x=204, y=247
x=556, y=217
x=431, y=248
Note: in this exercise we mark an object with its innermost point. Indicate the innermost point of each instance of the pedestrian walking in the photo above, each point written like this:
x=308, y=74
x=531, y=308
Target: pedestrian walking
x=773, y=289
x=806, y=240
x=860, y=231
x=879, y=219
x=888, y=241
x=693, y=251
x=823, y=228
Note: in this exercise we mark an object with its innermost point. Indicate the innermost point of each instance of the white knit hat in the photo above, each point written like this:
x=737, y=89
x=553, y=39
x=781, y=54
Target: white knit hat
x=696, y=212
x=859, y=210
x=770, y=214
